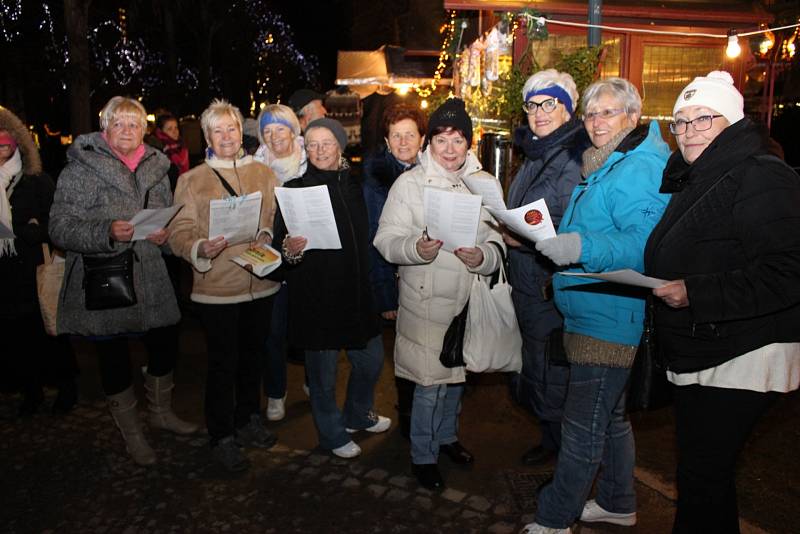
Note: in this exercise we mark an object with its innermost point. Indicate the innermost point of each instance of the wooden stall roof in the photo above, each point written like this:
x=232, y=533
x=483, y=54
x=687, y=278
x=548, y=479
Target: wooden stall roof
x=732, y=13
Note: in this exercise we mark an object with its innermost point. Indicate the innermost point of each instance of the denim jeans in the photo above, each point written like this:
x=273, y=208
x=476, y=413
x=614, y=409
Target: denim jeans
x=274, y=382
x=366, y=369
x=434, y=420
x=594, y=431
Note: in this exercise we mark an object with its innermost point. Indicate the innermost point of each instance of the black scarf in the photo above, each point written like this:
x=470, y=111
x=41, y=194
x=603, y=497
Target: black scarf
x=536, y=147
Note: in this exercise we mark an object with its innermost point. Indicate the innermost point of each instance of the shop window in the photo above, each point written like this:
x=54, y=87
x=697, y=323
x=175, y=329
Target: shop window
x=550, y=51
x=668, y=69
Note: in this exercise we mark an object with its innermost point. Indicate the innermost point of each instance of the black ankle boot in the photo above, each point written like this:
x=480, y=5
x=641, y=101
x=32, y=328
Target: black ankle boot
x=66, y=399
x=428, y=476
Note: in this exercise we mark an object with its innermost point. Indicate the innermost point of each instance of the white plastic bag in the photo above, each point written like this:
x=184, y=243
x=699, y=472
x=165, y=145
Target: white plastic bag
x=492, y=342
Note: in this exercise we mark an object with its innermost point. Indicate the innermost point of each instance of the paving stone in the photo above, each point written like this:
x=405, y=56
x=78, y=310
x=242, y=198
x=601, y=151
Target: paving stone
x=340, y=461
x=423, y=502
x=502, y=509
x=478, y=503
x=332, y=477
x=446, y=510
x=318, y=459
x=401, y=481
x=377, y=490
x=501, y=527
x=453, y=495
x=376, y=474
x=396, y=495
x=356, y=468
x=469, y=514
x=351, y=482
x=291, y=467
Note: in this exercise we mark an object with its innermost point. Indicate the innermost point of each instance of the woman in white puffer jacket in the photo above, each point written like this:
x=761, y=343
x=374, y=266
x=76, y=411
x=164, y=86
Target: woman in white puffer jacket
x=434, y=286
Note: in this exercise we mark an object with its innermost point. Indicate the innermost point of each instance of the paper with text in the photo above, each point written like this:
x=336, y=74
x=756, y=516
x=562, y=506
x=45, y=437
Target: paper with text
x=623, y=276
x=151, y=220
x=452, y=217
x=308, y=212
x=235, y=218
x=489, y=189
x=531, y=221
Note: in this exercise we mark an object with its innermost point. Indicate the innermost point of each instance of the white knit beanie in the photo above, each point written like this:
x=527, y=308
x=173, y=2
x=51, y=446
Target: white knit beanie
x=714, y=91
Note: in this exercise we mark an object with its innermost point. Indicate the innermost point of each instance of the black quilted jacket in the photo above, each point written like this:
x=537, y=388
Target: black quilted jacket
x=732, y=232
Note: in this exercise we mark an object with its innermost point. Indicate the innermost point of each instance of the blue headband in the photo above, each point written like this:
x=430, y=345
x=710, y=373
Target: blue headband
x=556, y=92
x=269, y=118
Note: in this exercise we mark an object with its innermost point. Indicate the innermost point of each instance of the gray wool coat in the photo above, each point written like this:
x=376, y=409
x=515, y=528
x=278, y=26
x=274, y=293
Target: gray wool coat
x=94, y=189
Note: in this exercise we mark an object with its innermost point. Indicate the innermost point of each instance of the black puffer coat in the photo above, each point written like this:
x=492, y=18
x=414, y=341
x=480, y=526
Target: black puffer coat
x=330, y=302
x=731, y=232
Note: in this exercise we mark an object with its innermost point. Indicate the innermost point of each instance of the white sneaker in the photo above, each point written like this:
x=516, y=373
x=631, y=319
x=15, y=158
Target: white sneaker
x=593, y=512
x=536, y=528
x=306, y=390
x=348, y=450
x=276, y=409
x=382, y=424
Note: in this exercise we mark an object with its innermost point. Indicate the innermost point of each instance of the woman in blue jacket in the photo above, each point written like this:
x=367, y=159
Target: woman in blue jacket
x=605, y=228
x=553, y=141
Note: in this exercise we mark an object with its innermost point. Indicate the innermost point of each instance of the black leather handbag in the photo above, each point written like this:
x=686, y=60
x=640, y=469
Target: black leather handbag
x=452, y=354
x=108, y=281
x=648, y=387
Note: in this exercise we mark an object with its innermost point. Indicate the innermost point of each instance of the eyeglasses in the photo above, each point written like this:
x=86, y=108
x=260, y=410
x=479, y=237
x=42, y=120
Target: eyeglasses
x=547, y=106
x=325, y=146
x=603, y=114
x=700, y=124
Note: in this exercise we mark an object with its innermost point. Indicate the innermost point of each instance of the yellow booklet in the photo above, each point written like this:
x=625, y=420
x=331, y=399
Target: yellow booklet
x=259, y=260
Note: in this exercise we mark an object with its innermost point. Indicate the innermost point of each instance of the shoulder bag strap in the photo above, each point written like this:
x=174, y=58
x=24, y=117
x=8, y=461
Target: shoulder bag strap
x=225, y=183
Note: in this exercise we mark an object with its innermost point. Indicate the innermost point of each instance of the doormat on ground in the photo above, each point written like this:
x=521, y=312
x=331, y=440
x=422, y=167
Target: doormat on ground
x=525, y=487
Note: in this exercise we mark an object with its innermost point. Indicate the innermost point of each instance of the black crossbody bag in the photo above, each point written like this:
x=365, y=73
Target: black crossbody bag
x=108, y=281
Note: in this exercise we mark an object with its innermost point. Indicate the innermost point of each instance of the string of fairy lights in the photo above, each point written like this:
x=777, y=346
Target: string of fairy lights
x=732, y=49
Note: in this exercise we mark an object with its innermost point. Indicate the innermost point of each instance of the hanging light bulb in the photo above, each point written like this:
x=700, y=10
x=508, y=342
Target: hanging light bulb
x=789, y=46
x=766, y=43
x=733, y=50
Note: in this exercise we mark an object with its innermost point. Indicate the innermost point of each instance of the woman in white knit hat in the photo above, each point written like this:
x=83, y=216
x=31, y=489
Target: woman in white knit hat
x=727, y=321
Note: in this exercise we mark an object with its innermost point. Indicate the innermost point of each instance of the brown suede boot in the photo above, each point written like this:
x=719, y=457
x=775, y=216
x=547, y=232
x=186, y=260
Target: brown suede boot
x=123, y=410
x=159, y=402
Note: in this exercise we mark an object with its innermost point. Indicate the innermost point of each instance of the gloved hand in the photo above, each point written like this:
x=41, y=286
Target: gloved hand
x=563, y=249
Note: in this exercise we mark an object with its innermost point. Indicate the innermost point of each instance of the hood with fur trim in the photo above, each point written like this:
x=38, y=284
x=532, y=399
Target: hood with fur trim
x=31, y=162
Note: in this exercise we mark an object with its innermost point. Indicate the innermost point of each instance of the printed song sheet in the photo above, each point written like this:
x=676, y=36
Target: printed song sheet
x=623, y=276
x=235, y=218
x=531, y=221
x=452, y=217
x=489, y=189
x=151, y=220
x=307, y=212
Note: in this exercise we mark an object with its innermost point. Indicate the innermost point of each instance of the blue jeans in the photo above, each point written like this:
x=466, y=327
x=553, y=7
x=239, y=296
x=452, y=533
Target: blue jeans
x=274, y=381
x=594, y=431
x=434, y=420
x=366, y=369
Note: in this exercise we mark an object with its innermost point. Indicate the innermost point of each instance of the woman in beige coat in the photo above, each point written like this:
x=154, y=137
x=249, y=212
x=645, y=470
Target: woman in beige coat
x=434, y=286
x=234, y=305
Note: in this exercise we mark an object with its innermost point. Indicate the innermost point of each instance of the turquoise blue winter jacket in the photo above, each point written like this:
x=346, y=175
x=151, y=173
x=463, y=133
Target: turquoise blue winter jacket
x=614, y=210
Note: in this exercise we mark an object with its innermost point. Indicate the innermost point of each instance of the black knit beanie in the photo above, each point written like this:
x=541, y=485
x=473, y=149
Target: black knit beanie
x=451, y=114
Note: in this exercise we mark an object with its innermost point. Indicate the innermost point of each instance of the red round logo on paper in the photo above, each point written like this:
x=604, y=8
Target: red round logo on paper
x=533, y=217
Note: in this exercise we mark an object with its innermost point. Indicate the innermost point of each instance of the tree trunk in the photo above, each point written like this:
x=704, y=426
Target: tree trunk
x=76, y=19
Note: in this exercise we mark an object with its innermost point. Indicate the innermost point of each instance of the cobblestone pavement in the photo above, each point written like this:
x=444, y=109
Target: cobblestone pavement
x=71, y=474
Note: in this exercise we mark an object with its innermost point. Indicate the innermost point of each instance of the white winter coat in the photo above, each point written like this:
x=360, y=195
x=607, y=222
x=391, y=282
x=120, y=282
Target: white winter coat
x=431, y=292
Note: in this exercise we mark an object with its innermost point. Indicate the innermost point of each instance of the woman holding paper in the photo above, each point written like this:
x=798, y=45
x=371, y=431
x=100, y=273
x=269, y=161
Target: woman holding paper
x=109, y=177
x=552, y=142
x=404, y=132
x=727, y=323
x=330, y=304
x=234, y=305
x=434, y=286
x=604, y=228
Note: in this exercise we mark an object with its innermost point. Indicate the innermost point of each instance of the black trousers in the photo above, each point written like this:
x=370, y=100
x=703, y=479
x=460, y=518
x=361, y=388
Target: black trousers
x=114, y=357
x=236, y=337
x=712, y=425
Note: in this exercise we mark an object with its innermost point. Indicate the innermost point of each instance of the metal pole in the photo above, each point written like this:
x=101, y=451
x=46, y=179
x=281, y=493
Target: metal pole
x=595, y=17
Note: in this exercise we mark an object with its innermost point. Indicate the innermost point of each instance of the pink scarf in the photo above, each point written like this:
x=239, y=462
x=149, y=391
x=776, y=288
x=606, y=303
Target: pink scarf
x=131, y=160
